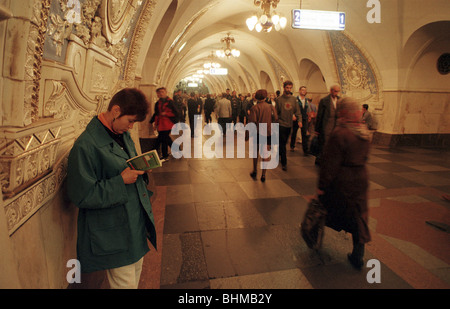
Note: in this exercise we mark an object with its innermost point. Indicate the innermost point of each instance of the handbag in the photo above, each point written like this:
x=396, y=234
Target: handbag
x=312, y=226
x=314, y=146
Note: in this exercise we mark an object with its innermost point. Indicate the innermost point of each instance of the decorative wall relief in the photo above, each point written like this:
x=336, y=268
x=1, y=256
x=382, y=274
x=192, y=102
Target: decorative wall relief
x=106, y=24
x=279, y=71
x=250, y=80
x=116, y=16
x=33, y=61
x=356, y=73
x=26, y=155
x=22, y=206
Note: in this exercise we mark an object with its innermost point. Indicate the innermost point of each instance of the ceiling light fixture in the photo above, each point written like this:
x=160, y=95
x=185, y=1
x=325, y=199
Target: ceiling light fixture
x=267, y=21
x=210, y=64
x=228, y=51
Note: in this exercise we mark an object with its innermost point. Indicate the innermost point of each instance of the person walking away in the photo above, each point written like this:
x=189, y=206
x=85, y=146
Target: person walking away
x=343, y=178
x=241, y=109
x=178, y=99
x=223, y=112
x=209, y=108
x=262, y=113
x=234, y=107
x=194, y=108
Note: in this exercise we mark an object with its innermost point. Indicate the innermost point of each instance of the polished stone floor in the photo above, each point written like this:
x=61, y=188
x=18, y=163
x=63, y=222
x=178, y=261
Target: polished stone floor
x=220, y=229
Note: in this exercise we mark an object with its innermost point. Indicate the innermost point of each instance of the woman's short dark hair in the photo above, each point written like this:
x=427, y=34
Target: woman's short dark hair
x=131, y=101
x=261, y=94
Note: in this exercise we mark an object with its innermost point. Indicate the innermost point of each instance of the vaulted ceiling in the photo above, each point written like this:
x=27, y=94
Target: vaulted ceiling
x=183, y=33
x=266, y=58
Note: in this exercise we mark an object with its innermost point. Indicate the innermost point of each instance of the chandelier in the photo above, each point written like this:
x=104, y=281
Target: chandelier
x=267, y=21
x=228, y=51
x=209, y=64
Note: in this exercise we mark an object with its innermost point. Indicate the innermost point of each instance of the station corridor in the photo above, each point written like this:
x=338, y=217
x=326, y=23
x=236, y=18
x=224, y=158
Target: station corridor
x=63, y=61
x=220, y=229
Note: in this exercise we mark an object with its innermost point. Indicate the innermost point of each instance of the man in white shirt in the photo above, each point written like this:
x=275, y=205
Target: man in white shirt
x=304, y=110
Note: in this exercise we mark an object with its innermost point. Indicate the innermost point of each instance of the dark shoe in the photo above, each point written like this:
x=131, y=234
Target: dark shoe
x=358, y=264
x=263, y=178
x=446, y=197
x=284, y=168
x=253, y=175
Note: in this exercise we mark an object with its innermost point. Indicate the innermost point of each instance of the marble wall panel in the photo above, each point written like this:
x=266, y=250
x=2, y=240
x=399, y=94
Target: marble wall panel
x=100, y=75
x=12, y=102
x=15, y=48
x=59, y=241
x=29, y=254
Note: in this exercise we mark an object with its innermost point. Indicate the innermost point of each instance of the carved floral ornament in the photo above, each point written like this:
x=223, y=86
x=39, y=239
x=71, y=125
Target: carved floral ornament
x=103, y=23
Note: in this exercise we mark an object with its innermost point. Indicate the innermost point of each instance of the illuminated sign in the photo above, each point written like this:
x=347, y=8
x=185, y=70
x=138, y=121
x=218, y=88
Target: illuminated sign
x=192, y=85
x=320, y=20
x=218, y=71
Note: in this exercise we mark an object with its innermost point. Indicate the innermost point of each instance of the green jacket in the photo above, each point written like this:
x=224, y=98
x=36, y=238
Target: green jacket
x=114, y=219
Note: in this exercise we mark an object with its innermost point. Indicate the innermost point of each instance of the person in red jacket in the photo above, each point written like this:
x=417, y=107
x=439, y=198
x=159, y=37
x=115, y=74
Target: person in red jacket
x=163, y=119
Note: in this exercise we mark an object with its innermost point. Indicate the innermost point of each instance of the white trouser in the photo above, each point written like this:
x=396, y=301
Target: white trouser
x=125, y=277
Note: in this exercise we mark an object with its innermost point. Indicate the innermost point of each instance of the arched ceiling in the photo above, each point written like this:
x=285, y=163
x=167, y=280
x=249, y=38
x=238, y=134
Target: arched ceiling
x=201, y=24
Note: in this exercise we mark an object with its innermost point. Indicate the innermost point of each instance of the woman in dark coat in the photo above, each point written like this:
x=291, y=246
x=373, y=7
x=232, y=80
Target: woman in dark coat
x=343, y=179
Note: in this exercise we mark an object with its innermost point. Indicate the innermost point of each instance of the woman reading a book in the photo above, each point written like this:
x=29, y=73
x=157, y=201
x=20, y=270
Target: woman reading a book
x=115, y=214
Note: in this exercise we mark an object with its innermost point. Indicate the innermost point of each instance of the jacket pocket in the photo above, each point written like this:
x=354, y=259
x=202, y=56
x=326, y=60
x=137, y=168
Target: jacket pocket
x=109, y=241
x=109, y=231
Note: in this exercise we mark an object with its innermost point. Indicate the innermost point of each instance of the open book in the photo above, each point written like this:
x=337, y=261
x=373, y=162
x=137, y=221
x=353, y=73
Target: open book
x=145, y=161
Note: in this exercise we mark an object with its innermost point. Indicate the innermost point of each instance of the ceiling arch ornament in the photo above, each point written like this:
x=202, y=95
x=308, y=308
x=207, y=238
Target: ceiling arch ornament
x=357, y=74
x=281, y=74
x=116, y=15
x=129, y=72
x=168, y=55
x=251, y=81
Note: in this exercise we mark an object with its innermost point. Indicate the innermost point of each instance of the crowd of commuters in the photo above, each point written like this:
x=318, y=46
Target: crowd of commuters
x=115, y=213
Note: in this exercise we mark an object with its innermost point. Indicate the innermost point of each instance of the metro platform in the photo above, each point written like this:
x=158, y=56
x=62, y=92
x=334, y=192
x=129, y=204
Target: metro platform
x=220, y=229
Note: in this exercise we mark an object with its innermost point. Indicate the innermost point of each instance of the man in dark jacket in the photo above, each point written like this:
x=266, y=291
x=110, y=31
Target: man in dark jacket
x=234, y=106
x=209, y=108
x=303, y=104
x=194, y=108
x=326, y=118
x=178, y=99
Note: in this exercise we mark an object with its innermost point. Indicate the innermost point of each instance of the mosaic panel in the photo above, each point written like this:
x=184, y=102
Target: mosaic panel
x=356, y=75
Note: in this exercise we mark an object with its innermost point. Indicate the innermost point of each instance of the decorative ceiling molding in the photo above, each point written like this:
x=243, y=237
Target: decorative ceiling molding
x=281, y=73
x=141, y=27
x=169, y=53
